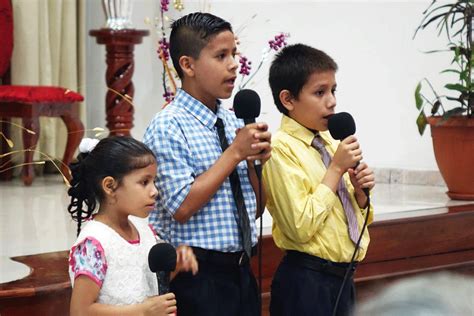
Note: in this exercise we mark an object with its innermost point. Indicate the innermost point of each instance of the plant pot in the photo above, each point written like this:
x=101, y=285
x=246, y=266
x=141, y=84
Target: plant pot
x=453, y=143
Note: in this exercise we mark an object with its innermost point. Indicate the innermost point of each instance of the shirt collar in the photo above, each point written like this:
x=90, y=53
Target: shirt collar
x=298, y=131
x=197, y=109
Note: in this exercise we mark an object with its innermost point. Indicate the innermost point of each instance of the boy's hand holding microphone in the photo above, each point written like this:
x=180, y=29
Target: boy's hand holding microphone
x=348, y=156
x=254, y=140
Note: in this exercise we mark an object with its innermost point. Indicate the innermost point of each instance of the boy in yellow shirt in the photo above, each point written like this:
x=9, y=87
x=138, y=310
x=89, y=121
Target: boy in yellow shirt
x=314, y=191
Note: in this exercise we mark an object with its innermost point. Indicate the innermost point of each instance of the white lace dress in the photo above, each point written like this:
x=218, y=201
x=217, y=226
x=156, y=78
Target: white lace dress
x=119, y=267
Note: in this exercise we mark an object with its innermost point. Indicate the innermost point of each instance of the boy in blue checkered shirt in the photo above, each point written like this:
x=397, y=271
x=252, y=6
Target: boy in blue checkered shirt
x=195, y=204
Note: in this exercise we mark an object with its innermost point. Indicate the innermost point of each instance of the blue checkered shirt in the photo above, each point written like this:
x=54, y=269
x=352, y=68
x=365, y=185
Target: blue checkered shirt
x=185, y=142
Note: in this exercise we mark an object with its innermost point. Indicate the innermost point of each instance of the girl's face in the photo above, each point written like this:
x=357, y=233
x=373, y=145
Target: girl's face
x=137, y=192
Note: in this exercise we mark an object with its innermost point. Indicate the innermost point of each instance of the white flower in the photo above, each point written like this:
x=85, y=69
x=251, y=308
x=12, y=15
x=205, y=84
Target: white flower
x=87, y=145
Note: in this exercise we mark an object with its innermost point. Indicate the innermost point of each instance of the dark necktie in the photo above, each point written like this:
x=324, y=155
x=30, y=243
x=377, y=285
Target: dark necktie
x=244, y=223
x=341, y=191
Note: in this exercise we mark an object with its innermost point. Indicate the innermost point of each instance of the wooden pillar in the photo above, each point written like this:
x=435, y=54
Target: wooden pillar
x=120, y=66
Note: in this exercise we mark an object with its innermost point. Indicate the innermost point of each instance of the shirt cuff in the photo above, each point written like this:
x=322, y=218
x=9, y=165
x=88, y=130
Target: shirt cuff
x=174, y=203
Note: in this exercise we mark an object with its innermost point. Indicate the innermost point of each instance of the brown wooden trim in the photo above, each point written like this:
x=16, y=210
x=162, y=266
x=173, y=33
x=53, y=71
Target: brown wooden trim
x=48, y=273
x=402, y=246
x=399, y=248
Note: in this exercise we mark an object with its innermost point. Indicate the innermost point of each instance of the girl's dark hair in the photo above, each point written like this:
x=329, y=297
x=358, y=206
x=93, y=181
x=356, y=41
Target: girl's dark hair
x=114, y=156
x=191, y=33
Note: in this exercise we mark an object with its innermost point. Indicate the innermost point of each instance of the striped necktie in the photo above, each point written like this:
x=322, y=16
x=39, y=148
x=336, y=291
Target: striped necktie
x=341, y=191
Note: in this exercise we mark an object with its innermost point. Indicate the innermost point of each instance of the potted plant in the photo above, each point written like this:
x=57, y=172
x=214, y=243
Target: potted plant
x=452, y=128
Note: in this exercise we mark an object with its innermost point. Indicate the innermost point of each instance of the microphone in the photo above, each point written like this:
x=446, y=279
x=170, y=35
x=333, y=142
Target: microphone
x=247, y=107
x=340, y=126
x=162, y=260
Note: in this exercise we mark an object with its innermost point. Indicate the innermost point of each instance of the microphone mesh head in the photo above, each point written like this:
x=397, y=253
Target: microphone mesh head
x=341, y=125
x=246, y=104
x=162, y=257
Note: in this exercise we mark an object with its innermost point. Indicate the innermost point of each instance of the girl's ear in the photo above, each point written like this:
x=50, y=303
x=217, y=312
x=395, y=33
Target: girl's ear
x=109, y=185
x=187, y=65
x=287, y=100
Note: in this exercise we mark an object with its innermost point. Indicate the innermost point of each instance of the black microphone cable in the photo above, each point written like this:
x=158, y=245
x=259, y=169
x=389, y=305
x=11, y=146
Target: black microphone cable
x=351, y=264
x=260, y=207
x=247, y=107
x=260, y=243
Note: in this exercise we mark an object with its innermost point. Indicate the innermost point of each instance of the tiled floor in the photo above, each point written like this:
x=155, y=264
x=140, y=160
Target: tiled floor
x=35, y=219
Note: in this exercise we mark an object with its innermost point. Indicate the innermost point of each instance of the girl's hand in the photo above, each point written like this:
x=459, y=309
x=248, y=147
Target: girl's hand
x=161, y=305
x=186, y=260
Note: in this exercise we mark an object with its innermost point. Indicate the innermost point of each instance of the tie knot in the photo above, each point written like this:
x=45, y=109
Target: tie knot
x=317, y=143
x=219, y=123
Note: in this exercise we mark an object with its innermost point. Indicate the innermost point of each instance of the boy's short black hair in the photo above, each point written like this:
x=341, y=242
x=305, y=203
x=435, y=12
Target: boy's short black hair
x=292, y=67
x=191, y=33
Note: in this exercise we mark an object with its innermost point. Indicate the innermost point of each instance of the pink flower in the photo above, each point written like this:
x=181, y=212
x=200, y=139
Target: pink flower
x=164, y=48
x=278, y=42
x=164, y=5
x=168, y=95
x=245, y=65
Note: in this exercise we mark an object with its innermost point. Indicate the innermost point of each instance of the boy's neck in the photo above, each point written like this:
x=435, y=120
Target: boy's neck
x=208, y=101
x=314, y=131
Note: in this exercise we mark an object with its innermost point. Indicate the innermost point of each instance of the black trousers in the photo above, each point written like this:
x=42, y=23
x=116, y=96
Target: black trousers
x=298, y=290
x=220, y=290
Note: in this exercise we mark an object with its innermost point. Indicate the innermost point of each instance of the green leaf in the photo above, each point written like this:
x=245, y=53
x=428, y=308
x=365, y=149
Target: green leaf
x=464, y=76
x=437, y=51
x=421, y=122
x=418, y=98
x=458, y=32
x=456, y=54
x=452, y=99
x=450, y=70
x=435, y=107
x=434, y=18
x=452, y=112
x=428, y=13
x=456, y=87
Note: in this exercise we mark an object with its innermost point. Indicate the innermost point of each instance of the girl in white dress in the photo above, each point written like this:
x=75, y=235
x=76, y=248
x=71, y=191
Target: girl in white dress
x=113, y=189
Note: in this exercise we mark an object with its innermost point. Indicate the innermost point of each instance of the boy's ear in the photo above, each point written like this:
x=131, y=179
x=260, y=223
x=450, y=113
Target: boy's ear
x=109, y=185
x=187, y=65
x=287, y=100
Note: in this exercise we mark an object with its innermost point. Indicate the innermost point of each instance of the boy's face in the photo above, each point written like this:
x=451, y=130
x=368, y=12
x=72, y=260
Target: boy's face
x=316, y=101
x=215, y=69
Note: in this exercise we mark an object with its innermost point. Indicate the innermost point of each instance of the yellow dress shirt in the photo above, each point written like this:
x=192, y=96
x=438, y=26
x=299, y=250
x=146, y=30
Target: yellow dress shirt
x=307, y=215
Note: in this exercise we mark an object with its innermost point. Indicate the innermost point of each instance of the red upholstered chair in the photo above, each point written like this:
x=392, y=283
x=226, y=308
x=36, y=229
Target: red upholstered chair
x=31, y=102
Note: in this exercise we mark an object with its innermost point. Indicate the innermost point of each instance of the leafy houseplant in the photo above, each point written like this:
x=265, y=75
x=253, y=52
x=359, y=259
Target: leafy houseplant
x=452, y=129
